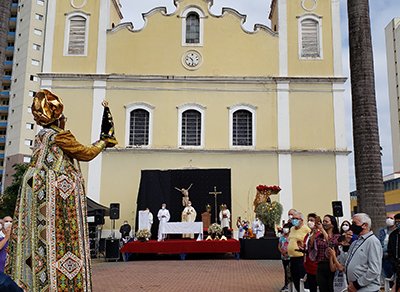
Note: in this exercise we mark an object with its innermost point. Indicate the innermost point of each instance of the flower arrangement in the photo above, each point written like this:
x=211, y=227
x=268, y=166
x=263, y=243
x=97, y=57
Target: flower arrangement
x=269, y=213
x=143, y=234
x=270, y=189
x=215, y=228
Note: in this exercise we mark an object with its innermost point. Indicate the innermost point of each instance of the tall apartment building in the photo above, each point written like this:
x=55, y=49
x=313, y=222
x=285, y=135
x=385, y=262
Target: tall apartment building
x=8, y=21
x=392, y=32
x=26, y=64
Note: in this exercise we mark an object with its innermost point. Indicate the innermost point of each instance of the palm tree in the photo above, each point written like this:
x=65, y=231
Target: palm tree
x=365, y=121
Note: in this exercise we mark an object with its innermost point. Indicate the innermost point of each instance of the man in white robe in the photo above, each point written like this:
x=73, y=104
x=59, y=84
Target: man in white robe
x=189, y=215
x=225, y=218
x=164, y=216
x=258, y=228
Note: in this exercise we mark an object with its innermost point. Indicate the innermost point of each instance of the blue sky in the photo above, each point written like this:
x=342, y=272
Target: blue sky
x=382, y=12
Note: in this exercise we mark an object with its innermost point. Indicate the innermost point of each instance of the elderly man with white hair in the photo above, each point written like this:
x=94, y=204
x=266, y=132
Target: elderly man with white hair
x=364, y=263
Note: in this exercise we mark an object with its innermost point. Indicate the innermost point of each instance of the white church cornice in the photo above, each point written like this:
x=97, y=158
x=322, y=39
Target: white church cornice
x=139, y=149
x=192, y=79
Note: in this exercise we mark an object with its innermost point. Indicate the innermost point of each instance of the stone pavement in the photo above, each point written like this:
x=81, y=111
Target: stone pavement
x=187, y=275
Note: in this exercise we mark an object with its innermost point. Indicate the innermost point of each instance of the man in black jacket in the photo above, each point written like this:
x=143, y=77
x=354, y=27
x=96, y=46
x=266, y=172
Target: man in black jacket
x=393, y=248
x=125, y=229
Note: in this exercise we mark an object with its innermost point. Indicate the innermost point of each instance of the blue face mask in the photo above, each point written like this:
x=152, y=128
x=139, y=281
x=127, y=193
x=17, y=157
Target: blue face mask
x=295, y=222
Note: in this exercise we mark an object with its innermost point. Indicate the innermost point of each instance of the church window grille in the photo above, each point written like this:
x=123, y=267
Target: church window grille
x=192, y=28
x=242, y=128
x=191, y=128
x=139, y=127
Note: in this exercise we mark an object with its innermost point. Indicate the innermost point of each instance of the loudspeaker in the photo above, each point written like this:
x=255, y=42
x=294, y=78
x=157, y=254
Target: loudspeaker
x=112, y=249
x=337, y=208
x=114, y=211
x=99, y=216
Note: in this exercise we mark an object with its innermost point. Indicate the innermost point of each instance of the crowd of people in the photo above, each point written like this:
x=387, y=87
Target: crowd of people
x=321, y=254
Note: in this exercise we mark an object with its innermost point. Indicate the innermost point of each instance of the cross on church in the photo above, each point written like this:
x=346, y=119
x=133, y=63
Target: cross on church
x=215, y=193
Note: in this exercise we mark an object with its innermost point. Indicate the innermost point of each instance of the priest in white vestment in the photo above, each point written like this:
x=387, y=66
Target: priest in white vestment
x=189, y=215
x=225, y=218
x=164, y=216
x=258, y=228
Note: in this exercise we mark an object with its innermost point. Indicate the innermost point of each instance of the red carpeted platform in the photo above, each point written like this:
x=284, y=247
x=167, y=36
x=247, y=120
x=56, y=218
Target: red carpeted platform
x=182, y=246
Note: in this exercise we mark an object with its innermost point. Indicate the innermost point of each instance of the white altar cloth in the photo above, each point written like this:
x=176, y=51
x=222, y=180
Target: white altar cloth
x=182, y=228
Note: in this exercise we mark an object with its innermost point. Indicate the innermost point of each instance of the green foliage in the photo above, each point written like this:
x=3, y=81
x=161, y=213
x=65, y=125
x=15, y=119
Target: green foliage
x=269, y=214
x=9, y=198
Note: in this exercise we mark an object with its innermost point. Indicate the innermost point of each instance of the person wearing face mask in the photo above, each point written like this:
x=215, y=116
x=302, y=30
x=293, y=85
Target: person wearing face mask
x=383, y=236
x=364, y=261
x=393, y=249
x=4, y=240
x=310, y=263
x=164, y=216
x=188, y=215
x=290, y=216
x=295, y=248
x=283, y=249
x=328, y=238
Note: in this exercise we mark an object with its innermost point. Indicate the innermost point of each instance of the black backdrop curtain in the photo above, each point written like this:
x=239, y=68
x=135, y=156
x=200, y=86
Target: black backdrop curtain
x=158, y=186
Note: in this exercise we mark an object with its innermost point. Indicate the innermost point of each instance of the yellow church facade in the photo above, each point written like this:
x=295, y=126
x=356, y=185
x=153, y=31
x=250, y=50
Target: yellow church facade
x=194, y=90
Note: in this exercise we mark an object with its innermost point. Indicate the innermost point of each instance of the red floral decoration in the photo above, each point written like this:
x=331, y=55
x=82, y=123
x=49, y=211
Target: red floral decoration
x=273, y=189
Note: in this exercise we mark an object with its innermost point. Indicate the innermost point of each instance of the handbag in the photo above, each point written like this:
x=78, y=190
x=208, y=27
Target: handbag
x=339, y=282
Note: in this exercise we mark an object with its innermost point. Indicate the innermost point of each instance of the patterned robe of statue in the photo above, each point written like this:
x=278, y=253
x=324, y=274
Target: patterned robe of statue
x=49, y=246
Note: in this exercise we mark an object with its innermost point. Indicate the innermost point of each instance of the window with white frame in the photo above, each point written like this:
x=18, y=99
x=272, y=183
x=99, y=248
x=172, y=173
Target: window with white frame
x=310, y=37
x=37, y=31
x=29, y=126
x=191, y=125
x=139, y=127
x=76, y=34
x=191, y=128
x=28, y=142
x=139, y=124
x=242, y=126
x=38, y=16
x=192, y=27
x=36, y=47
x=40, y=2
x=27, y=159
x=35, y=62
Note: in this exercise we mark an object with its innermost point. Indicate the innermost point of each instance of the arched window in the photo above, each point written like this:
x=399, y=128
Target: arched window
x=191, y=128
x=242, y=128
x=192, y=28
x=139, y=127
x=310, y=43
x=76, y=40
x=138, y=124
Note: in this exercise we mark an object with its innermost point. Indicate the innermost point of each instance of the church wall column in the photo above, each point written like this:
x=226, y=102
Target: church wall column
x=336, y=40
x=284, y=159
x=283, y=46
x=49, y=36
x=342, y=163
x=94, y=170
x=99, y=94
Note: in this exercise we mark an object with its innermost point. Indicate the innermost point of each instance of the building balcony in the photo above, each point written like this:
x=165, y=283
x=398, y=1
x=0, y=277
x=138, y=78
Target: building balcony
x=1, y=155
x=14, y=7
x=5, y=93
x=3, y=125
x=8, y=64
x=12, y=19
x=10, y=49
x=4, y=108
x=11, y=34
x=6, y=78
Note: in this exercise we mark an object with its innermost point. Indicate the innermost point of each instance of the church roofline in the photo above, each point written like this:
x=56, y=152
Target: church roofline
x=118, y=6
x=272, y=8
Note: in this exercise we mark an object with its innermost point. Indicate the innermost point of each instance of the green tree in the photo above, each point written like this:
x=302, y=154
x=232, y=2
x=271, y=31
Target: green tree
x=9, y=198
x=367, y=155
